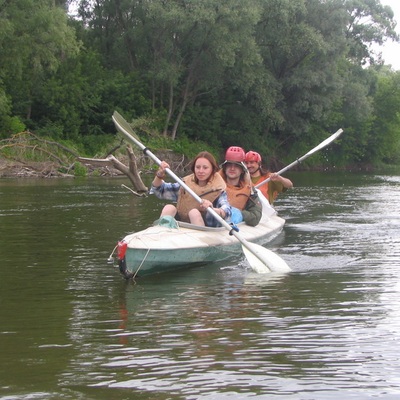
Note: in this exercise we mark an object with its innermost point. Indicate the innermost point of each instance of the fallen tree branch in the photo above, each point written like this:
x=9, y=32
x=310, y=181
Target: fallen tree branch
x=135, y=193
x=34, y=148
x=131, y=172
x=68, y=150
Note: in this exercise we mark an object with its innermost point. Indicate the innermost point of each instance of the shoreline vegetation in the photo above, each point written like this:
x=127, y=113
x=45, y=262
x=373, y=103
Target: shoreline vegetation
x=269, y=75
x=25, y=155
x=53, y=169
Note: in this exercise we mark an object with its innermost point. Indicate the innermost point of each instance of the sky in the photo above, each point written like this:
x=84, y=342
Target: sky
x=391, y=51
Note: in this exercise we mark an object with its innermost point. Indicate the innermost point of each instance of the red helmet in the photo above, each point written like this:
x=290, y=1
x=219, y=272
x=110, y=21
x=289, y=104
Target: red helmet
x=235, y=154
x=252, y=156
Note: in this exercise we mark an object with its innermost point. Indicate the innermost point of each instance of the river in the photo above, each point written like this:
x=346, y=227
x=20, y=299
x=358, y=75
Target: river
x=73, y=328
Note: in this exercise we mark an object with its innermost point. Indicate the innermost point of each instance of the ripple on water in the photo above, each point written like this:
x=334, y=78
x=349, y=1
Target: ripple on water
x=328, y=329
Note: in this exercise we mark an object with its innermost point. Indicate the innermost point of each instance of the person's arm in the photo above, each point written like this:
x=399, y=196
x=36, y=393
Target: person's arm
x=252, y=212
x=160, y=175
x=222, y=206
x=160, y=188
x=287, y=183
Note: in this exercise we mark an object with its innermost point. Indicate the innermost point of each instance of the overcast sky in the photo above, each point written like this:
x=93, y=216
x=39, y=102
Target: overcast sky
x=391, y=51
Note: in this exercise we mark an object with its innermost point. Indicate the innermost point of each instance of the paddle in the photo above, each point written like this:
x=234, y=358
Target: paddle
x=299, y=160
x=260, y=259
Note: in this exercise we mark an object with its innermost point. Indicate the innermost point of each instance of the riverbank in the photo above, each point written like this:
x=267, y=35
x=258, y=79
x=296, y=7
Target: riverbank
x=24, y=168
x=28, y=169
x=50, y=169
x=26, y=155
x=47, y=169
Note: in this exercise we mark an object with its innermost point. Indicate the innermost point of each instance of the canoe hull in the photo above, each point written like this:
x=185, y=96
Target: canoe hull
x=159, y=249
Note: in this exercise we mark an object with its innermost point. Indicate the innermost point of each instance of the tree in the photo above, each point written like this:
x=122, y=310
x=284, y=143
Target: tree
x=368, y=22
x=385, y=136
x=184, y=48
x=272, y=74
x=34, y=38
x=313, y=62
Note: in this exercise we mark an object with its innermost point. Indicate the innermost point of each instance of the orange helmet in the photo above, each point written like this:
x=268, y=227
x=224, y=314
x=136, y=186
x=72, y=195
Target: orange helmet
x=235, y=154
x=252, y=156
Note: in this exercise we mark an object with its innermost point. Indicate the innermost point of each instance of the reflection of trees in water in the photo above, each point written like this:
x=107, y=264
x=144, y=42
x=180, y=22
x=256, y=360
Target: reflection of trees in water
x=273, y=327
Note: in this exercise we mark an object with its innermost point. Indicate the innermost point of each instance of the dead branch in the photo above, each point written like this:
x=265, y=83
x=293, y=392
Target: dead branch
x=131, y=171
x=135, y=193
x=35, y=148
x=68, y=150
x=115, y=148
x=26, y=146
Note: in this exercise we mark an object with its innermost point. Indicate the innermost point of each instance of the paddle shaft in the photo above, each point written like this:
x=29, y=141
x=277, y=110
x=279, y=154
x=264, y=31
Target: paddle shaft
x=299, y=160
x=243, y=241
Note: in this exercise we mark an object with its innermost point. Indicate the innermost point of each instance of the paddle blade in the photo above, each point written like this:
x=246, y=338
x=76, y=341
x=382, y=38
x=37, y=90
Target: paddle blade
x=121, y=122
x=262, y=260
x=325, y=143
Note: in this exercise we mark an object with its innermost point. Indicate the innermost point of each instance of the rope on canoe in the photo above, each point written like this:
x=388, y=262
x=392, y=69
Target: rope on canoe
x=140, y=266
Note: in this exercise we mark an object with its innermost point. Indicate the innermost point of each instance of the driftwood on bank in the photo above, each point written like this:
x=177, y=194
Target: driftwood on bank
x=131, y=171
x=27, y=155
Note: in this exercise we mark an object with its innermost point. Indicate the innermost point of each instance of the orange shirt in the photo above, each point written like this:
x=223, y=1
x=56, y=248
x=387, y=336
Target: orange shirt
x=270, y=189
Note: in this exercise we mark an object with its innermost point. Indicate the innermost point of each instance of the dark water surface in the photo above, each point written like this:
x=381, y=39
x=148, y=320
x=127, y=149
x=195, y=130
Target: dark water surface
x=72, y=328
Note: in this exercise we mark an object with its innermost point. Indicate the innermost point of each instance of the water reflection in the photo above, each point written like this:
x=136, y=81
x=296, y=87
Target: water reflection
x=242, y=339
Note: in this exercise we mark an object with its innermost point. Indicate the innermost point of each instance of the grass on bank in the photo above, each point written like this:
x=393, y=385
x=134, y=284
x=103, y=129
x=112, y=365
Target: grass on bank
x=27, y=147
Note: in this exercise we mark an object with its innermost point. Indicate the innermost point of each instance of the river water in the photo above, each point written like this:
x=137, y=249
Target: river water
x=73, y=328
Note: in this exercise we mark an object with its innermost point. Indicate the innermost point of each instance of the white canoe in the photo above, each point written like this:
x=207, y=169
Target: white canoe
x=170, y=245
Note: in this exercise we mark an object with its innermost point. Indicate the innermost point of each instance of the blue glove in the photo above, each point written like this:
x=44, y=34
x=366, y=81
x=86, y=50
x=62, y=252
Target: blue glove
x=236, y=216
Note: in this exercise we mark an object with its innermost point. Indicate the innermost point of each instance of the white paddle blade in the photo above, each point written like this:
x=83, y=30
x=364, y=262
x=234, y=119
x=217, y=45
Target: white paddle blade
x=255, y=263
x=263, y=260
x=325, y=142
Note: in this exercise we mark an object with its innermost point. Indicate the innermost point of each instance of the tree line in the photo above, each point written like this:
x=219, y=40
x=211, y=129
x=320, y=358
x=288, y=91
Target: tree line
x=276, y=76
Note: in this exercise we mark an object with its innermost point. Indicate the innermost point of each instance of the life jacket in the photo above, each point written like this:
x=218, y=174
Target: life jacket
x=186, y=202
x=264, y=188
x=270, y=190
x=238, y=196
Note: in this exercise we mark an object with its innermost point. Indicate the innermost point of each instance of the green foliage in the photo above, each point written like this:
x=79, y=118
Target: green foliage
x=26, y=146
x=182, y=145
x=50, y=129
x=96, y=145
x=146, y=128
x=385, y=135
x=273, y=76
x=82, y=95
x=10, y=125
x=202, y=122
x=34, y=40
x=369, y=21
x=79, y=169
x=190, y=148
x=5, y=103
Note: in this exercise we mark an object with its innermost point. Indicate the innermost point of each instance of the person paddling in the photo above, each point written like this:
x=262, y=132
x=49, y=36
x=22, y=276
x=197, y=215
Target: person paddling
x=206, y=182
x=277, y=183
x=244, y=200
